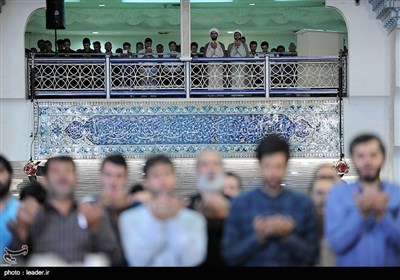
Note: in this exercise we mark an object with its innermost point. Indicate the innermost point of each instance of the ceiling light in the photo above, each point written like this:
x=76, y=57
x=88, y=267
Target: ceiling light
x=102, y=5
x=230, y=32
x=252, y=4
x=95, y=32
x=294, y=172
x=283, y=185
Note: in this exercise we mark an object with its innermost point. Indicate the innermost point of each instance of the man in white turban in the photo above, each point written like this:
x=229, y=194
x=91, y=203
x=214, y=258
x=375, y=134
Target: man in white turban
x=238, y=49
x=215, y=49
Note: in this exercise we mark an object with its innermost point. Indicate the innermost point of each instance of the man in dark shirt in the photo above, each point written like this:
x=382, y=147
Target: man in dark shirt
x=211, y=203
x=97, y=47
x=61, y=226
x=271, y=226
x=113, y=178
x=86, y=51
x=66, y=51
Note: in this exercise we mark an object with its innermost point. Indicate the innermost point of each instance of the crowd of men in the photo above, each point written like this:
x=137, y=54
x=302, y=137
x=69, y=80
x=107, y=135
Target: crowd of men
x=341, y=224
x=214, y=48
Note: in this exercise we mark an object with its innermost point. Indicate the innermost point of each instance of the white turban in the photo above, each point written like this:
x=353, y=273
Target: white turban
x=214, y=30
x=238, y=31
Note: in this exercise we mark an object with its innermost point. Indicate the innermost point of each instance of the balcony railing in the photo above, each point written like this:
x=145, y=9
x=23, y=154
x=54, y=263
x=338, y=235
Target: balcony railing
x=116, y=77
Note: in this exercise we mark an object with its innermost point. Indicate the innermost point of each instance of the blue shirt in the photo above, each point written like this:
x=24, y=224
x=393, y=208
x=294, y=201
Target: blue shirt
x=241, y=247
x=359, y=241
x=7, y=214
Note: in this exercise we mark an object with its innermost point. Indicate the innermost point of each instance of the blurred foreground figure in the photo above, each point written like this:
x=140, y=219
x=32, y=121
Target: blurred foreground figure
x=211, y=202
x=232, y=185
x=162, y=232
x=362, y=220
x=61, y=226
x=8, y=204
x=325, y=178
x=271, y=226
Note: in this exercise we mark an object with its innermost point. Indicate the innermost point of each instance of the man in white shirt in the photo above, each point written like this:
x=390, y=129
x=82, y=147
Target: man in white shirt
x=238, y=70
x=162, y=232
x=215, y=49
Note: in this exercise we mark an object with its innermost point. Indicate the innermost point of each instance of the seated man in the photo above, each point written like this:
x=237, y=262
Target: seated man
x=271, y=225
x=162, y=232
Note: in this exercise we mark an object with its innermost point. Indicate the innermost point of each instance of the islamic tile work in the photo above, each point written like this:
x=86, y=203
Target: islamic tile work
x=87, y=130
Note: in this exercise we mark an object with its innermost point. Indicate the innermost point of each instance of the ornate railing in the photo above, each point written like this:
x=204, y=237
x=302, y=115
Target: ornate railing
x=117, y=77
x=388, y=11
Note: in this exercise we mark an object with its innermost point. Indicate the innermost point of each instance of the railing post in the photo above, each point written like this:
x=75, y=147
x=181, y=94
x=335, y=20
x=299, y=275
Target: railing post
x=188, y=78
x=267, y=82
x=107, y=76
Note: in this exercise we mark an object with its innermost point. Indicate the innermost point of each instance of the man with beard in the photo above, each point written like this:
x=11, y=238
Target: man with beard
x=211, y=203
x=161, y=232
x=8, y=204
x=61, y=227
x=271, y=225
x=215, y=49
x=362, y=219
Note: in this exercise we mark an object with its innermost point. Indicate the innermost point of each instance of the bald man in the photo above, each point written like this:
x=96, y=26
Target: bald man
x=211, y=202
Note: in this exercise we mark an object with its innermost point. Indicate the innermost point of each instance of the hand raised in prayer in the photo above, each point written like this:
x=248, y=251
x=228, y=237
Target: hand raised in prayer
x=238, y=43
x=365, y=200
x=25, y=217
x=379, y=204
x=93, y=212
x=214, y=44
x=213, y=205
x=280, y=226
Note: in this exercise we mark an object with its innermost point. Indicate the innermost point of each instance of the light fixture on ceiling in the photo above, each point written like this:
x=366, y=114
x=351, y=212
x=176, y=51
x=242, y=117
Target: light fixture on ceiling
x=95, y=32
x=283, y=185
x=252, y=4
x=230, y=32
x=294, y=173
x=102, y=5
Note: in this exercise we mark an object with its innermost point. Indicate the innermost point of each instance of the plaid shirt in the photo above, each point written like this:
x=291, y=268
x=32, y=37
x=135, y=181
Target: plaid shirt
x=241, y=246
x=68, y=236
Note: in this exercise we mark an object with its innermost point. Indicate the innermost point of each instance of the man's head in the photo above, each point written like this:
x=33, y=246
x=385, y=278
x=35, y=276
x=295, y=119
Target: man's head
x=253, y=46
x=319, y=192
x=368, y=155
x=273, y=156
x=97, y=46
x=5, y=176
x=172, y=46
x=232, y=184
x=139, y=46
x=40, y=45
x=126, y=46
x=86, y=44
x=214, y=34
x=194, y=47
x=243, y=39
x=67, y=44
x=237, y=35
x=48, y=46
x=108, y=46
x=114, y=173
x=148, y=42
x=265, y=46
x=292, y=47
x=280, y=49
x=327, y=172
x=159, y=175
x=59, y=178
x=60, y=44
x=160, y=49
x=210, y=172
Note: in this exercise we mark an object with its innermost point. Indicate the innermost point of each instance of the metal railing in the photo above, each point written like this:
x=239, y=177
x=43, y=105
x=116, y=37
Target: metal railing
x=117, y=77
